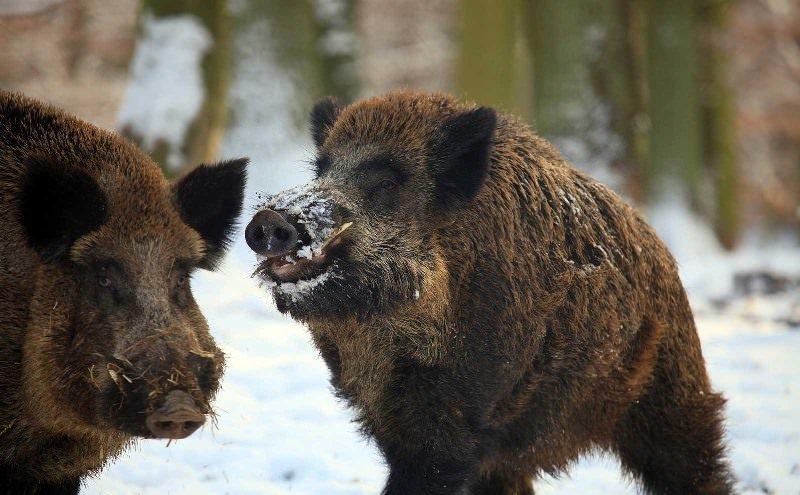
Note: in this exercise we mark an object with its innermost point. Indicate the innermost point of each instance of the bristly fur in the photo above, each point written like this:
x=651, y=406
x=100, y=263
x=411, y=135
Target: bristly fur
x=534, y=319
x=323, y=115
x=97, y=320
x=460, y=158
x=210, y=200
x=321, y=164
x=58, y=205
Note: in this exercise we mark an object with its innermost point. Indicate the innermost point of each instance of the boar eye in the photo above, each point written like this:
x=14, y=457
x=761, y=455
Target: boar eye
x=387, y=184
x=382, y=191
x=104, y=281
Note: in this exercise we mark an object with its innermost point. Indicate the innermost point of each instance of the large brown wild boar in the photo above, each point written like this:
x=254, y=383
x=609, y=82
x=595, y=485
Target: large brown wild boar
x=100, y=338
x=490, y=312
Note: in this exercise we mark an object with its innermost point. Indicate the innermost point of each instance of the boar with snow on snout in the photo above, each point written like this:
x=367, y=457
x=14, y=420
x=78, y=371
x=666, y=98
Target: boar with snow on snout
x=490, y=312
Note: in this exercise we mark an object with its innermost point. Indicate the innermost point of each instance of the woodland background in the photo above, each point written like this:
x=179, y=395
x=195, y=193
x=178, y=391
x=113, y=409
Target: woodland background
x=688, y=108
x=694, y=99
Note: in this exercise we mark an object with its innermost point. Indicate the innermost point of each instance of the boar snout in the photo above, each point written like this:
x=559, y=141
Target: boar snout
x=177, y=418
x=269, y=234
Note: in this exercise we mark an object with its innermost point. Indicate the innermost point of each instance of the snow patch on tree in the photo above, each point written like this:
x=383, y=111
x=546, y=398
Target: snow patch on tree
x=166, y=91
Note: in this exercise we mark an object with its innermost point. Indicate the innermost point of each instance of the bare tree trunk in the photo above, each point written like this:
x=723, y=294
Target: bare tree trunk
x=315, y=42
x=555, y=32
x=409, y=44
x=619, y=78
x=718, y=114
x=336, y=45
x=571, y=44
x=486, y=67
x=673, y=93
x=176, y=106
x=207, y=130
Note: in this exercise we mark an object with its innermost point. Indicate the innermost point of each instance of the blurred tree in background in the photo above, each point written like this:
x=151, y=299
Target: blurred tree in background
x=673, y=98
x=487, y=60
x=313, y=40
x=630, y=89
x=204, y=126
x=717, y=120
x=694, y=101
x=618, y=72
x=563, y=97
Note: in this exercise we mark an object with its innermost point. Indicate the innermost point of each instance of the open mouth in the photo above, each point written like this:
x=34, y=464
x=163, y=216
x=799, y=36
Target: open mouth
x=307, y=262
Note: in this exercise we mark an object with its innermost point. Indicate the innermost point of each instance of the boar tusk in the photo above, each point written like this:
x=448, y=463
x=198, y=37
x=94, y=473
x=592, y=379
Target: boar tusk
x=336, y=233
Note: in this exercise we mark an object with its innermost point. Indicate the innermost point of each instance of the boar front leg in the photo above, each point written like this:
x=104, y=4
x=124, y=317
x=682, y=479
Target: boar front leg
x=426, y=434
x=422, y=474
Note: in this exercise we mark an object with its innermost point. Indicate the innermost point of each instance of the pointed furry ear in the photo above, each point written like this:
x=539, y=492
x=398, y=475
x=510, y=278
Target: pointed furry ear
x=461, y=156
x=58, y=205
x=323, y=115
x=209, y=199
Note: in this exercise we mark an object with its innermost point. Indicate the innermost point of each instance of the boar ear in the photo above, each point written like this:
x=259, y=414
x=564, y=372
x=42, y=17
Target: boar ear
x=58, y=205
x=209, y=199
x=461, y=156
x=323, y=115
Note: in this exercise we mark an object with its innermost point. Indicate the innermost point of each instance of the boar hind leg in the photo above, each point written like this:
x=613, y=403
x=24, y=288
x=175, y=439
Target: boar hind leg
x=503, y=483
x=672, y=436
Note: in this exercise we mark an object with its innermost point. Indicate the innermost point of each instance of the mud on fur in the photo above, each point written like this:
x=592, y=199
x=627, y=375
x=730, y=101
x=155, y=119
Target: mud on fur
x=101, y=339
x=492, y=313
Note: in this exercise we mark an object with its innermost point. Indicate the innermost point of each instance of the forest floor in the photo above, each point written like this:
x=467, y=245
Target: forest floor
x=280, y=430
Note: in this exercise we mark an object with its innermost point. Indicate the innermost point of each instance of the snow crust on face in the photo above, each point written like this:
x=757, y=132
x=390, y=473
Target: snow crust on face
x=313, y=210
x=305, y=252
x=296, y=291
x=166, y=91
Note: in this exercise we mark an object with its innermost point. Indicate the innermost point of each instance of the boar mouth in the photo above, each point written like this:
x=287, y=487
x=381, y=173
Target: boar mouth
x=307, y=262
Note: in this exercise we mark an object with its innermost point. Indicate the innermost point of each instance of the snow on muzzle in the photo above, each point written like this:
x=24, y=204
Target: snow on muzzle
x=294, y=235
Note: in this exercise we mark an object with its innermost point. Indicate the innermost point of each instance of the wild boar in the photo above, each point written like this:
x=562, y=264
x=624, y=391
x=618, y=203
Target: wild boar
x=101, y=340
x=489, y=311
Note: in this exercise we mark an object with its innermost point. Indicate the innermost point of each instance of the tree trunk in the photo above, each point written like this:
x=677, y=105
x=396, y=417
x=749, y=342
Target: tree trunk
x=619, y=80
x=278, y=74
x=572, y=44
x=673, y=93
x=486, y=65
x=176, y=104
x=555, y=30
x=315, y=42
x=718, y=114
x=335, y=48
